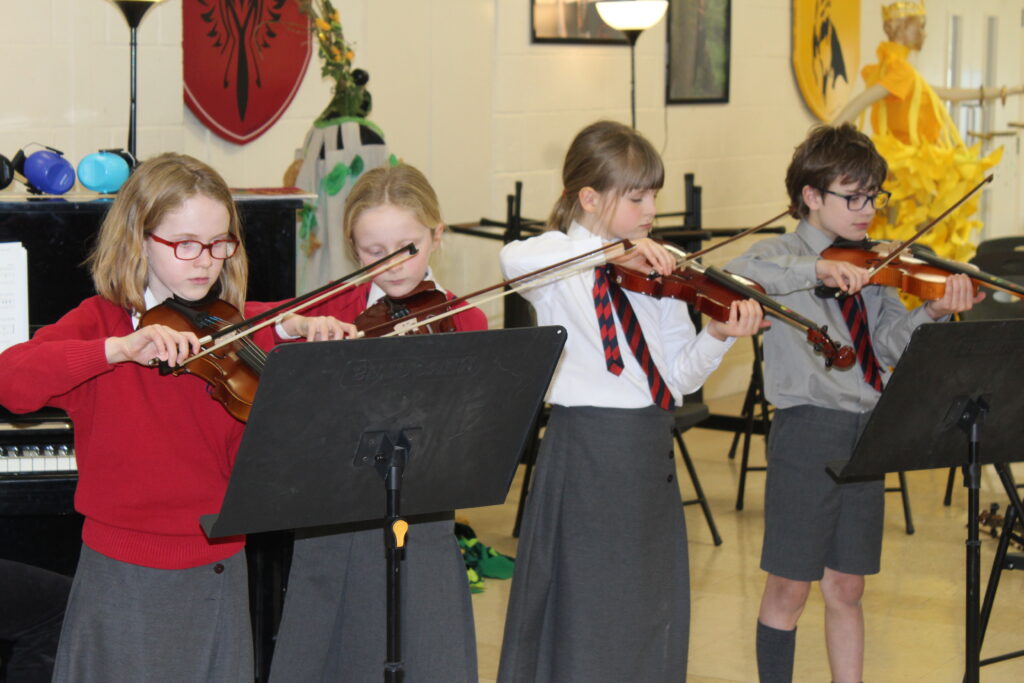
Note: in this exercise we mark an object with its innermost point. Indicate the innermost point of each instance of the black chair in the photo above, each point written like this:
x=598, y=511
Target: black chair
x=691, y=414
x=1001, y=245
x=529, y=459
x=756, y=419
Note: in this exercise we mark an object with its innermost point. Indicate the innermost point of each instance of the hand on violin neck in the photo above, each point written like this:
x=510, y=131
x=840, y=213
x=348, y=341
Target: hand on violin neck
x=746, y=318
x=317, y=328
x=152, y=342
x=647, y=256
x=845, y=277
x=958, y=297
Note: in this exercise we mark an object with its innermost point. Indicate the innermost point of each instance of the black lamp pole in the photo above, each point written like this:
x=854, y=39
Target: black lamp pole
x=133, y=11
x=632, y=34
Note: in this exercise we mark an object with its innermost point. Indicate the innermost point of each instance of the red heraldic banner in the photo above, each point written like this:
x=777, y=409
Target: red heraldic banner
x=244, y=61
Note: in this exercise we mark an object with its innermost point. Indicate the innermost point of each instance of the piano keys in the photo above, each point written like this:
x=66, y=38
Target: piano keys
x=37, y=443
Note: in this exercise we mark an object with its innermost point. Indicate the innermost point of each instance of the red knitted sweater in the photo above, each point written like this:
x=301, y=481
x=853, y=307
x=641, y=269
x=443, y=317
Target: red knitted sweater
x=154, y=452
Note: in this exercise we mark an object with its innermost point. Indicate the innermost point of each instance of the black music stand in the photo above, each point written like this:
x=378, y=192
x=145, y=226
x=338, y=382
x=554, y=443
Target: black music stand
x=950, y=381
x=442, y=419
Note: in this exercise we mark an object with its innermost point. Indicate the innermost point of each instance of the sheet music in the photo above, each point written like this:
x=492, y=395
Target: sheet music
x=13, y=294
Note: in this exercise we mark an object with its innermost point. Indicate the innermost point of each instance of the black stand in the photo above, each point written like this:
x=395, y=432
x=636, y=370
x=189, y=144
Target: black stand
x=443, y=419
x=951, y=379
x=1003, y=560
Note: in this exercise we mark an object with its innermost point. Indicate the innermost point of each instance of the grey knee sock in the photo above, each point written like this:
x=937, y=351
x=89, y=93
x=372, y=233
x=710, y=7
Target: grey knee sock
x=775, y=649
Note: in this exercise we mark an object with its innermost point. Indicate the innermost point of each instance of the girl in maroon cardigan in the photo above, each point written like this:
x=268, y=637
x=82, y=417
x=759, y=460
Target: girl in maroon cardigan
x=153, y=599
x=333, y=627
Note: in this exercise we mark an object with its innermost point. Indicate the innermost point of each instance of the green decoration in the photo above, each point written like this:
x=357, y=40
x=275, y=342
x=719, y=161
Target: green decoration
x=357, y=167
x=335, y=180
x=307, y=218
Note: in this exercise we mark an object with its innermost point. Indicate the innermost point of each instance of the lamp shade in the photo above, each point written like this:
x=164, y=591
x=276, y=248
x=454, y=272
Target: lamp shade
x=134, y=10
x=632, y=15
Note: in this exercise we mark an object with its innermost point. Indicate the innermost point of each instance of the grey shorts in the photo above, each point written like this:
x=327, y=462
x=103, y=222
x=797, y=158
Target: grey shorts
x=811, y=522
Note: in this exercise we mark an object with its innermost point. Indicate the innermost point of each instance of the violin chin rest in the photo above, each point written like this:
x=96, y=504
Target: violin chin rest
x=825, y=292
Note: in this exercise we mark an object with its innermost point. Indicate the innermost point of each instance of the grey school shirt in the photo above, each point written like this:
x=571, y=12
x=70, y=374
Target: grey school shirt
x=794, y=374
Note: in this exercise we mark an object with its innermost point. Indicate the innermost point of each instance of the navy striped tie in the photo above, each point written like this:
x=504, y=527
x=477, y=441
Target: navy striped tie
x=857, y=322
x=634, y=336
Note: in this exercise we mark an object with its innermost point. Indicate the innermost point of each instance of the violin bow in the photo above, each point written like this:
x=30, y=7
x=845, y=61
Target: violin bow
x=920, y=233
x=729, y=240
x=545, y=275
x=305, y=301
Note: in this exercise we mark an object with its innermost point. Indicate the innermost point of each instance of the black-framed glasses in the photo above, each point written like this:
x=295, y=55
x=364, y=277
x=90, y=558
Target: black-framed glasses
x=190, y=250
x=857, y=202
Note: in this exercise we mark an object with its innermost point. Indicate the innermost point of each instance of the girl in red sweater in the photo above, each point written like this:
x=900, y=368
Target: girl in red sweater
x=333, y=627
x=153, y=599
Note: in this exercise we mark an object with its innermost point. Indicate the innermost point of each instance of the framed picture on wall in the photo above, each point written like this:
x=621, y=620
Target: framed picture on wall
x=570, y=21
x=698, y=51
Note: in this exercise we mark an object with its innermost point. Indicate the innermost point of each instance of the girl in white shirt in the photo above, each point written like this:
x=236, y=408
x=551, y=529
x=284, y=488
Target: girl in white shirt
x=601, y=589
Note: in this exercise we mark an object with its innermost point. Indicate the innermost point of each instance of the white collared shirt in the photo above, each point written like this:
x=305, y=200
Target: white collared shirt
x=684, y=358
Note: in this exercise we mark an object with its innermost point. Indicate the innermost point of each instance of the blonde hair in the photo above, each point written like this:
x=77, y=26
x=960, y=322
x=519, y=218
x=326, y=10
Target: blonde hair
x=120, y=269
x=605, y=155
x=403, y=186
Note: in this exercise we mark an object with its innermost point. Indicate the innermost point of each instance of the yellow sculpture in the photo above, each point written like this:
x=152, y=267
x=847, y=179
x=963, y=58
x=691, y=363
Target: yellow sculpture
x=930, y=167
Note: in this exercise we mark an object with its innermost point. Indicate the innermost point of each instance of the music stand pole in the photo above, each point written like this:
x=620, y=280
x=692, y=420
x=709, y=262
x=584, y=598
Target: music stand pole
x=391, y=466
x=970, y=419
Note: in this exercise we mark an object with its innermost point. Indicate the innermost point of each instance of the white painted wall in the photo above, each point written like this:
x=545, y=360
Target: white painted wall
x=462, y=93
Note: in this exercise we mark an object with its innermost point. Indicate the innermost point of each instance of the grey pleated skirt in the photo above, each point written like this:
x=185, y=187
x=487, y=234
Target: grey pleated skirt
x=334, y=622
x=601, y=587
x=125, y=623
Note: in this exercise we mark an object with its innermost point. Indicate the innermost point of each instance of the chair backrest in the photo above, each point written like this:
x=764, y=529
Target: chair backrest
x=1003, y=257
x=1001, y=244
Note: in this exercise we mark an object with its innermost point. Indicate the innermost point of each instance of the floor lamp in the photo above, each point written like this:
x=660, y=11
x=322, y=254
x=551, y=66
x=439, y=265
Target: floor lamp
x=133, y=11
x=632, y=17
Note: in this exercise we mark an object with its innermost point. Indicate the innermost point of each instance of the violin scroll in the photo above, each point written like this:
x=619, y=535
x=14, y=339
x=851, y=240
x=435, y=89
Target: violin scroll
x=840, y=356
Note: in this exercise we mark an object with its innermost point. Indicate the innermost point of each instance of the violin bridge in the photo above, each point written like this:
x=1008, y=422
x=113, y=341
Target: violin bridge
x=407, y=326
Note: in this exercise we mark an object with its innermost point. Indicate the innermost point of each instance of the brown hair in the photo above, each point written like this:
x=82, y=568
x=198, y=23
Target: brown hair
x=605, y=155
x=830, y=153
x=120, y=269
x=403, y=186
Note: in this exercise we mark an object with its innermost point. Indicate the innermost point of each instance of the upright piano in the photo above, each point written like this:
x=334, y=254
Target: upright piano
x=38, y=524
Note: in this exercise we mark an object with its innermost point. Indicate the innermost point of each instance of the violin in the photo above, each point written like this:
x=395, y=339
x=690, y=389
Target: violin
x=907, y=272
x=711, y=291
x=996, y=525
x=232, y=371
x=895, y=267
x=403, y=315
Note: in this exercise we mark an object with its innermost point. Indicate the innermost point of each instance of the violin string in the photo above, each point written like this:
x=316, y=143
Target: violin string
x=248, y=351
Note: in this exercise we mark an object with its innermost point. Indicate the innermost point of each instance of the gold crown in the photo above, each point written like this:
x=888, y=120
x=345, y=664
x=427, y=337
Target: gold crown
x=898, y=10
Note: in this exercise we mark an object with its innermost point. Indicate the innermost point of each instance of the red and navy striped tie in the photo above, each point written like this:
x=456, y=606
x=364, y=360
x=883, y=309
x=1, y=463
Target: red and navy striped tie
x=606, y=323
x=605, y=288
x=857, y=322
